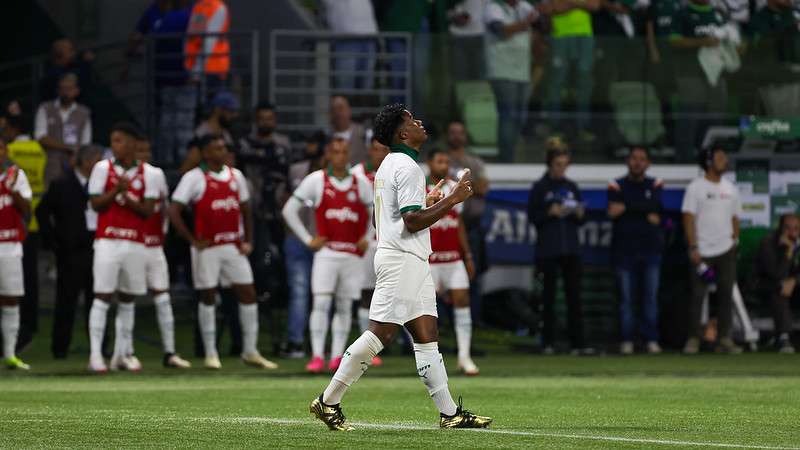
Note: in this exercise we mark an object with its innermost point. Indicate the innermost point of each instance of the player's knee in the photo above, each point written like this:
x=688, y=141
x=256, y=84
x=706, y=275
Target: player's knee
x=247, y=294
x=207, y=297
x=104, y=297
x=460, y=298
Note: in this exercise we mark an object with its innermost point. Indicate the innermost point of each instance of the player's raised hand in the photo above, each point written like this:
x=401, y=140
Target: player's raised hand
x=435, y=194
x=463, y=189
x=122, y=184
x=317, y=243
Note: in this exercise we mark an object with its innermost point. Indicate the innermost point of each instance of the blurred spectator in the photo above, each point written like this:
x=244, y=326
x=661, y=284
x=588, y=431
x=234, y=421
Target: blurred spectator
x=355, y=17
x=634, y=205
x=297, y=256
x=61, y=126
x=65, y=59
x=556, y=208
x=263, y=156
x=711, y=211
x=67, y=227
x=466, y=42
x=775, y=32
x=699, y=100
x=176, y=98
x=572, y=47
x=472, y=211
x=508, y=66
x=658, y=27
x=224, y=110
x=28, y=155
x=619, y=54
x=777, y=266
x=207, y=51
x=343, y=127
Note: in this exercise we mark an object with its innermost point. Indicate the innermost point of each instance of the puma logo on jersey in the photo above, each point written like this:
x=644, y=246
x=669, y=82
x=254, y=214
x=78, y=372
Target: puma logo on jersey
x=225, y=204
x=342, y=215
x=445, y=223
x=121, y=233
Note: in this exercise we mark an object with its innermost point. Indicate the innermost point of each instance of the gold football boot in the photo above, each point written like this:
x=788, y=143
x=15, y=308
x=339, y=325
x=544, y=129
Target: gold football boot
x=330, y=415
x=463, y=419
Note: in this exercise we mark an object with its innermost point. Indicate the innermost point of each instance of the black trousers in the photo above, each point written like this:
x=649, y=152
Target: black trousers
x=29, y=307
x=725, y=267
x=571, y=269
x=74, y=275
x=782, y=310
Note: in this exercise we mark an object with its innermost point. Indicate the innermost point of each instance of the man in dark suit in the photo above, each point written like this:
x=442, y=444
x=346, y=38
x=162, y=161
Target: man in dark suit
x=67, y=227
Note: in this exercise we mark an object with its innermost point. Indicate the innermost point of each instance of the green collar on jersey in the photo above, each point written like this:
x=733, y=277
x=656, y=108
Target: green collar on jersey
x=330, y=172
x=118, y=163
x=204, y=167
x=698, y=7
x=368, y=167
x=403, y=148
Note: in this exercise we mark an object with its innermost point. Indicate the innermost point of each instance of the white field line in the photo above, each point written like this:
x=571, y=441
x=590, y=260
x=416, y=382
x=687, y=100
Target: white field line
x=380, y=426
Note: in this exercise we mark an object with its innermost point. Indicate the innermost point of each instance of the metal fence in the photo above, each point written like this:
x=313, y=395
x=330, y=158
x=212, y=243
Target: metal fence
x=307, y=68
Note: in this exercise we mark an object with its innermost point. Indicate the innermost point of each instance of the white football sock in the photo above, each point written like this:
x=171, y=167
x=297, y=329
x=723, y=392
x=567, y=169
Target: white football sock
x=355, y=362
x=363, y=318
x=430, y=368
x=166, y=321
x=463, y=326
x=206, y=315
x=123, y=340
x=97, y=327
x=318, y=323
x=340, y=328
x=10, y=326
x=248, y=318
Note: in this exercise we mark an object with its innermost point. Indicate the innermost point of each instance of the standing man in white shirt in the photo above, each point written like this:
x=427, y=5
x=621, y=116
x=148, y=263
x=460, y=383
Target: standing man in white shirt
x=404, y=292
x=342, y=201
x=711, y=210
x=354, y=17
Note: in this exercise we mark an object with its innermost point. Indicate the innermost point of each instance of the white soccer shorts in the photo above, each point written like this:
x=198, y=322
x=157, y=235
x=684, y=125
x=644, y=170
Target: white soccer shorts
x=156, y=268
x=404, y=288
x=12, y=282
x=450, y=275
x=212, y=264
x=119, y=265
x=340, y=274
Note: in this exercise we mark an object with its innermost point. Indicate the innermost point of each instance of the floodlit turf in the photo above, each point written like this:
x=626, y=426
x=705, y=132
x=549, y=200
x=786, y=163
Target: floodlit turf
x=670, y=401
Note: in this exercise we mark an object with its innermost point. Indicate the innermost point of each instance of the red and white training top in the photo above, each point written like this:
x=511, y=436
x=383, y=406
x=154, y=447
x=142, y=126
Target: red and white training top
x=118, y=221
x=365, y=170
x=215, y=198
x=155, y=226
x=341, y=208
x=12, y=225
x=445, y=242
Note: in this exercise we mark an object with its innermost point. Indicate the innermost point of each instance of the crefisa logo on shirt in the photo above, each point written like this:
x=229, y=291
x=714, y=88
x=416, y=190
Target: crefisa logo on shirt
x=342, y=215
x=225, y=204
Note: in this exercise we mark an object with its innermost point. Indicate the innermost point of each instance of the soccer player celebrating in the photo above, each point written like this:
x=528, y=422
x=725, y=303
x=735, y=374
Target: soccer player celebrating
x=157, y=271
x=220, y=201
x=451, y=260
x=15, y=202
x=375, y=155
x=404, y=290
x=341, y=200
x=123, y=193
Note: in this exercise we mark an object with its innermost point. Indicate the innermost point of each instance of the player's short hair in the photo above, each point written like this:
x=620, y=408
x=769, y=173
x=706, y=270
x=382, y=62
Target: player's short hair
x=264, y=105
x=436, y=151
x=387, y=121
x=127, y=128
x=555, y=146
x=205, y=140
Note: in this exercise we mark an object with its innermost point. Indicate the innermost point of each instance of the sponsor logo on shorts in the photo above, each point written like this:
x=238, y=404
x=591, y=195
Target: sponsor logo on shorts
x=152, y=239
x=225, y=204
x=342, y=215
x=121, y=233
x=343, y=246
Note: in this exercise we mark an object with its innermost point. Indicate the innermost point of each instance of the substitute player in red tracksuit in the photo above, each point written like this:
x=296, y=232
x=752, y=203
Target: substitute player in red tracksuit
x=15, y=203
x=342, y=201
x=219, y=199
x=123, y=193
x=451, y=261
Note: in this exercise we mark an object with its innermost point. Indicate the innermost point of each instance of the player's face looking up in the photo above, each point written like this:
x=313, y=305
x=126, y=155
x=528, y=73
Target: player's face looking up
x=214, y=153
x=439, y=165
x=338, y=154
x=638, y=163
x=123, y=146
x=412, y=131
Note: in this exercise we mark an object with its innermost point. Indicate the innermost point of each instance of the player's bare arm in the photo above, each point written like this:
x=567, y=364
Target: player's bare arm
x=22, y=204
x=246, y=247
x=462, y=239
x=423, y=218
x=102, y=201
x=176, y=219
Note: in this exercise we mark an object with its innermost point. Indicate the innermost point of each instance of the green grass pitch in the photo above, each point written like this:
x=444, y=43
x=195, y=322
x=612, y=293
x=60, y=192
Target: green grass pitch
x=667, y=401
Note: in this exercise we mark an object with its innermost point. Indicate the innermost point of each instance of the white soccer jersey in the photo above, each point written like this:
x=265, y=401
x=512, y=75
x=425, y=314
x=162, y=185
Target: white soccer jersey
x=400, y=187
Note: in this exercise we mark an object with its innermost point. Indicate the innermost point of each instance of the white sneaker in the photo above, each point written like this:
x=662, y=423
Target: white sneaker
x=626, y=348
x=175, y=361
x=212, y=362
x=549, y=350
x=467, y=366
x=117, y=362
x=256, y=360
x=132, y=364
x=653, y=348
x=97, y=365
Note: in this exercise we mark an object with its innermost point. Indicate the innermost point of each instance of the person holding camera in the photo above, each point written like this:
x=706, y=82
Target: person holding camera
x=711, y=210
x=556, y=209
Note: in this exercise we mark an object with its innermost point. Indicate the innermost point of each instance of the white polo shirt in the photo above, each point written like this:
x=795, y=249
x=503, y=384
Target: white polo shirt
x=400, y=187
x=714, y=205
